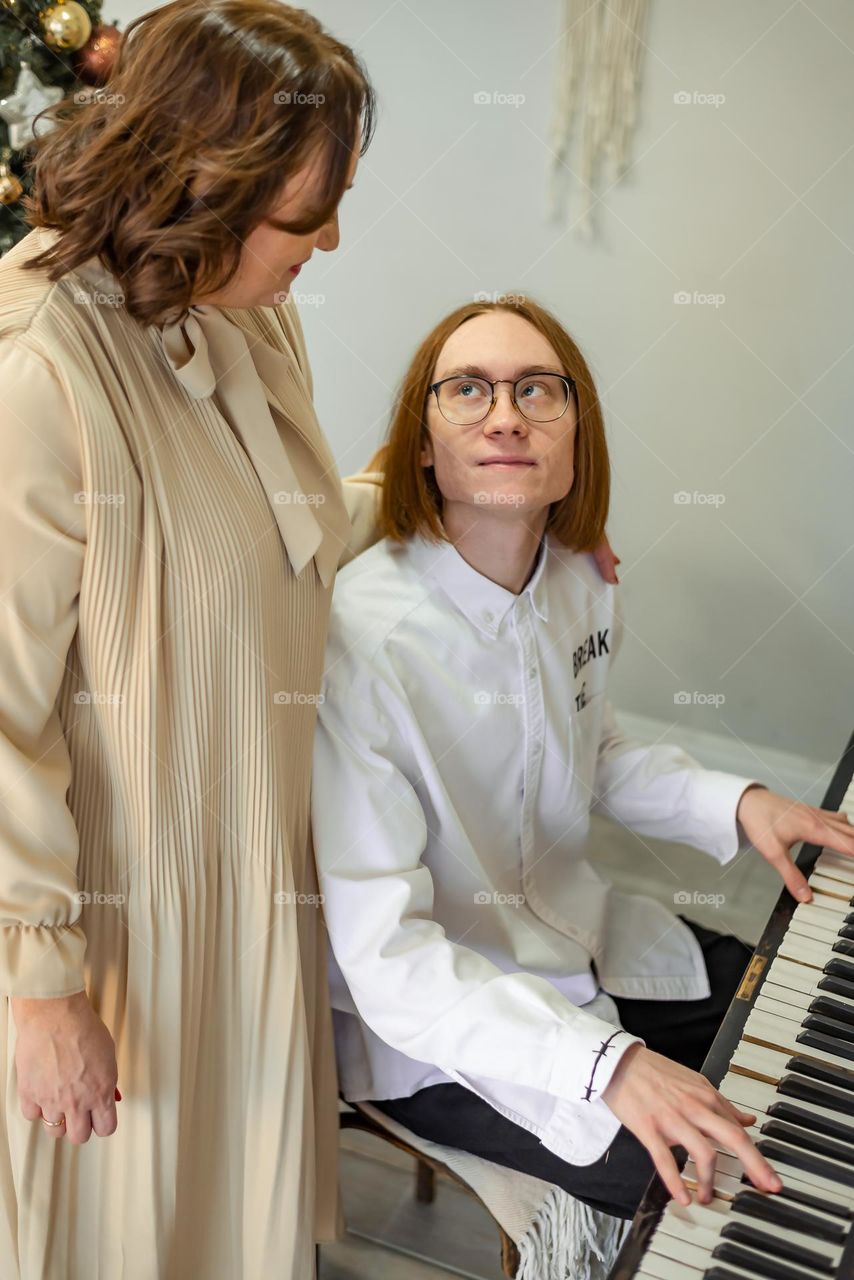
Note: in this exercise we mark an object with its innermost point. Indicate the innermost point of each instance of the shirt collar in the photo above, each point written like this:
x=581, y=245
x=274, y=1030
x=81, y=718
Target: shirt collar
x=478, y=598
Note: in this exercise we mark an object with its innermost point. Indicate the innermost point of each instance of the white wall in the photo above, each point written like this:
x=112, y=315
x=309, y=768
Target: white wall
x=752, y=599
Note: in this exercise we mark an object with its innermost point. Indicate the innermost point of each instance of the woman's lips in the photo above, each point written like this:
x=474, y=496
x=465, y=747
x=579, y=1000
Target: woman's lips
x=516, y=462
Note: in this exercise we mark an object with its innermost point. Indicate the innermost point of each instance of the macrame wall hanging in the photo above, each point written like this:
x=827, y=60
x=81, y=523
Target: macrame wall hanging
x=598, y=89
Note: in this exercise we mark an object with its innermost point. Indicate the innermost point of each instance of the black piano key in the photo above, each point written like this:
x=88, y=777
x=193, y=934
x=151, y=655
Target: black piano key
x=798, y=1158
x=839, y=969
x=793, y=1085
x=721, y=1273
x=811, y=1199
x=743, y=1233
x=827, y=1044
x=829, y=1072
x=778, y=1212
x=809, y=1120
x=833, y=1027
x=758, y=1264
x=833, y=1009
x=809, y=1141
x=844, y=947
x=839, y=986
x=846, y=931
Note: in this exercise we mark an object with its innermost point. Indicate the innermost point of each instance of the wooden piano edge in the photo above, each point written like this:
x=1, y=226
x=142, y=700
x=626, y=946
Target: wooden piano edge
x=656, y=1196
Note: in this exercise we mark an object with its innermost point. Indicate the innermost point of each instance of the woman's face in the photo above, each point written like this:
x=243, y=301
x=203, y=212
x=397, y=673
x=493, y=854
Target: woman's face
x=539, y=455
x=269, y=256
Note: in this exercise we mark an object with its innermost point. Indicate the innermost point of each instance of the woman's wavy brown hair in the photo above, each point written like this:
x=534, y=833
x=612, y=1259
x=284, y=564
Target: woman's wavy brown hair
x=165, y=170
x=411, y=503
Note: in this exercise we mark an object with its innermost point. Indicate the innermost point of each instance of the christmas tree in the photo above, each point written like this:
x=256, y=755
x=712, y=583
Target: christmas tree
x=47, y=51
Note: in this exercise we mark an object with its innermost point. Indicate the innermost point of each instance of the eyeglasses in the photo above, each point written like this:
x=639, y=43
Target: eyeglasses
x=538, y=397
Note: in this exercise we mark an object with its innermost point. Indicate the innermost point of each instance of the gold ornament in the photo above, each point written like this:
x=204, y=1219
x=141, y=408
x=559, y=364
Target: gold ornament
x=11, y=189
x=66, y=26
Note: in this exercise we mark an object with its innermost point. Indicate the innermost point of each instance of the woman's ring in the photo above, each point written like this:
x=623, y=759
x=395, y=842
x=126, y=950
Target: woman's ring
x=54, y=1124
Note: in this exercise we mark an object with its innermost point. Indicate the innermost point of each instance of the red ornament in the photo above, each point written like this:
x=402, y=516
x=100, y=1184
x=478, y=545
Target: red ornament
x=94, y=62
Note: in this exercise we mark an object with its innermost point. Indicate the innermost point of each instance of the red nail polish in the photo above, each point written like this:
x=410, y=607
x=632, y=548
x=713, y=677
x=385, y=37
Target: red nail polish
x=118, y=1096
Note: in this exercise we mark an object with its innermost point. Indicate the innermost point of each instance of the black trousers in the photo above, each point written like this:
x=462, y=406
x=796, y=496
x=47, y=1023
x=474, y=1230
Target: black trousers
x=680, y=1029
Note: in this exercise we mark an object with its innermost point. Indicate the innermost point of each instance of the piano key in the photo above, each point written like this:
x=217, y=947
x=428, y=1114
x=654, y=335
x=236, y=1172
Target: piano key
x=827, y=1097
x=784, y=1154
x=833, y=888
x=766, y=1099
x=835, y=865
x=706, y=1226
x=785, y=1034
x=759, y=1264
x=778, y=1211
x=798, y=1135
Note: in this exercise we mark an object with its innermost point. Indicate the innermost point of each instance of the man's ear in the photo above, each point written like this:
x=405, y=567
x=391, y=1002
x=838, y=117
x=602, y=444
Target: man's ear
x=426, y=455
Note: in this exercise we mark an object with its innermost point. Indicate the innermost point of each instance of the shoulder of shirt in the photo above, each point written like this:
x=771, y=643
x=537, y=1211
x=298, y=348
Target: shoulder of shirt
x=579, y=570
x=32, y=306
x=373, y=594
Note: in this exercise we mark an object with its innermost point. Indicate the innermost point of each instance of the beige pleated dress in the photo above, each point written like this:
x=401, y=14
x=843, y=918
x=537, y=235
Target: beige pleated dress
x=170, y=524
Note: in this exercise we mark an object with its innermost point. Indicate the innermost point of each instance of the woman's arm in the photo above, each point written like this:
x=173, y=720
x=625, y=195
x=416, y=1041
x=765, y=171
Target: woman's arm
x=43, y=536
x=64, y=1055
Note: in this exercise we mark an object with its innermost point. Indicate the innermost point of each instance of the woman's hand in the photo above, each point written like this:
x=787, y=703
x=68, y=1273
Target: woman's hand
x=606, y=560
x=773, y=824
x=66, y=1065
x=665, y=1104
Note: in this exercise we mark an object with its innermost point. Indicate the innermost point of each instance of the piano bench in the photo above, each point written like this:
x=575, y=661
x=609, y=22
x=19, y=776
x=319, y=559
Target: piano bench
x=426, y=1169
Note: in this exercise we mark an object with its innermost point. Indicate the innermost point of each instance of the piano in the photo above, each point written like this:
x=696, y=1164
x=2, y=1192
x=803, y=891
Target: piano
x=784, y=1051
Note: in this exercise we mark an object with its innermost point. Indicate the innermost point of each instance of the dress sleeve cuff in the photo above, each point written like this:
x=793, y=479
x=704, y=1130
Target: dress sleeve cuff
x=40, y=961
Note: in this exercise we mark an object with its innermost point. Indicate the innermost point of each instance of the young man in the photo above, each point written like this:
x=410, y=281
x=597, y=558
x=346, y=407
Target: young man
x=492, y=990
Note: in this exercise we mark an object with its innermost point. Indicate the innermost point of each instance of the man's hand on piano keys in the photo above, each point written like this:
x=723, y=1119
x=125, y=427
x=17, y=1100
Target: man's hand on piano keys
x=665, y=1104
x=774, y=823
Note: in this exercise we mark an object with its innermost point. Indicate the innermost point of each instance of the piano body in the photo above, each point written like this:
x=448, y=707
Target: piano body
x=784, y=1051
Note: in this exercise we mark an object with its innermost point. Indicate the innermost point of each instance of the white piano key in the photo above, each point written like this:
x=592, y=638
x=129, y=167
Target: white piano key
x=701, y=1225
x=759, y=1060
x=820, y=883
x=795, y=946
x=664, y=1269
x=836, y=866
x=757, y=1096
x=781, y=1034
x=799, y=1000
x=679, y=1251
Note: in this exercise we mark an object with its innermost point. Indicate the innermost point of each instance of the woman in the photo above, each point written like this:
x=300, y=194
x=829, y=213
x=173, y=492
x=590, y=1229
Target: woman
x=492, y=992
x=171, y=524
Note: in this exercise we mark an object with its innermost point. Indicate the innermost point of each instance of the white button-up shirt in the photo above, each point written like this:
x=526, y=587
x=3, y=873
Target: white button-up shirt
x=464, y=738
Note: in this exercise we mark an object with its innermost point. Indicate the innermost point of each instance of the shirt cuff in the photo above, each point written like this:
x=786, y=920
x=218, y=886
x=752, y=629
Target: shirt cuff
x=714, y=803
x=582, y=1126
x=587, y=1055
x=42, y=961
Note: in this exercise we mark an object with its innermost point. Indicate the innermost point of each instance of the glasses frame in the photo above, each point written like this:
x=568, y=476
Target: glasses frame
x=568, y=382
